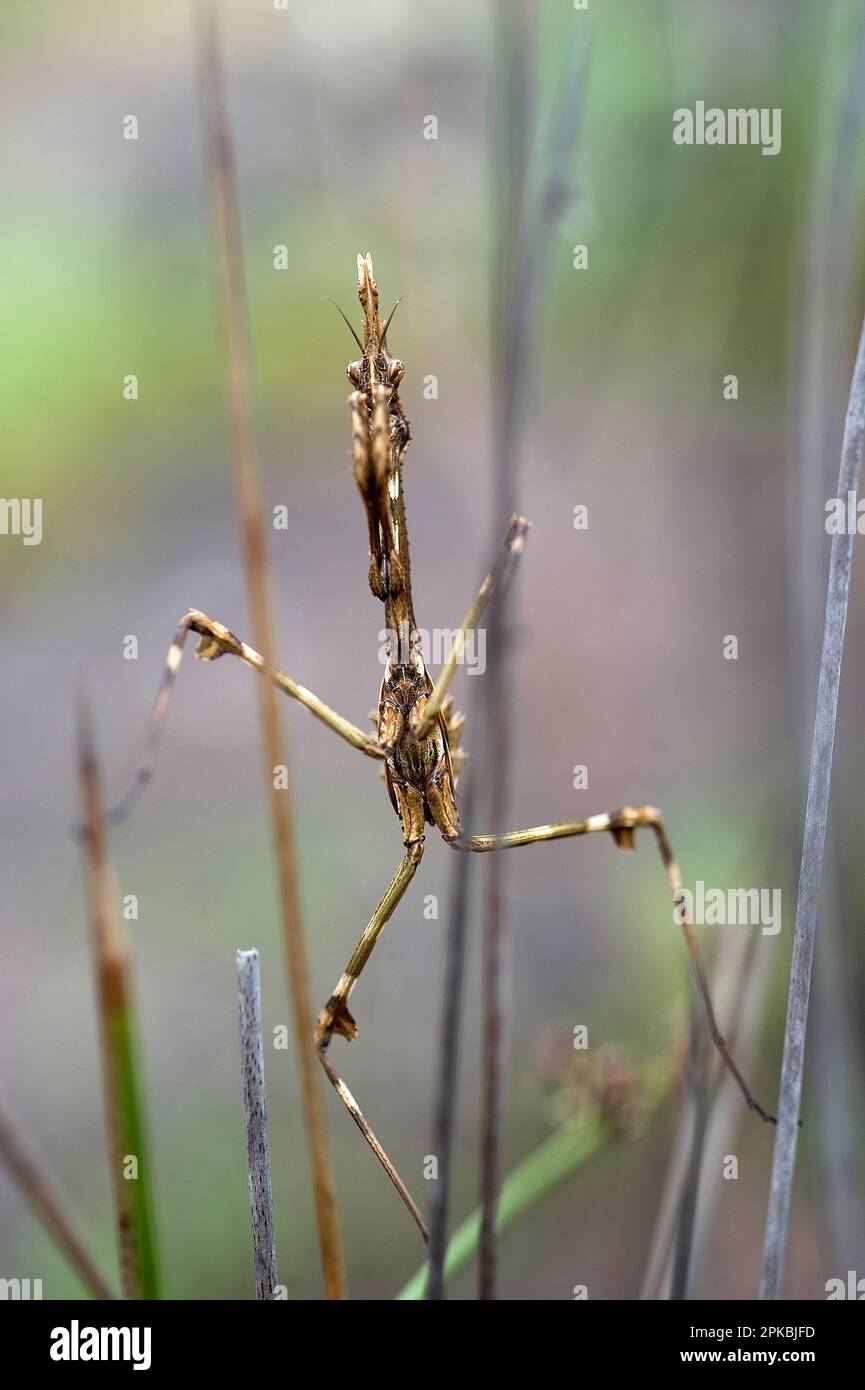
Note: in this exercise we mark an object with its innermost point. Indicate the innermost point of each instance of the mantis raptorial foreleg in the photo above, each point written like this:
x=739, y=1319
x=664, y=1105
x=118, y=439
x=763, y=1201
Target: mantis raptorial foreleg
x=216, y=640
x=498, y=578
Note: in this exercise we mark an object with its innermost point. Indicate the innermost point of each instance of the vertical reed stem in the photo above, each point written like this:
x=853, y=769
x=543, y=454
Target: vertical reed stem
x=255, y=1121
x=816, y=811
x=128, y=1160
x=238, y=375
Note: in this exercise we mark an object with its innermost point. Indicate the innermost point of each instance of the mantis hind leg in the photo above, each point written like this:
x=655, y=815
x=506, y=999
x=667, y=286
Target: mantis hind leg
x=623, y=825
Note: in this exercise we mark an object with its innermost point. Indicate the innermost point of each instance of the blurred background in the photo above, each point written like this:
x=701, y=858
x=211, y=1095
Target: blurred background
x=706, y=519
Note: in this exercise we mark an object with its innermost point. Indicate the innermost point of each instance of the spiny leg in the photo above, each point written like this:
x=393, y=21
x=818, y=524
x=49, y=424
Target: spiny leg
x=498, y=578
x=335, y=1017
x=622, y=826
x=216, y=640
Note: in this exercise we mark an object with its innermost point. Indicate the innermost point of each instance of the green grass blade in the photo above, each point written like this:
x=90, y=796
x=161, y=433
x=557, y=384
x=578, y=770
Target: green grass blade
x=557, y=1158
x=127, y=1146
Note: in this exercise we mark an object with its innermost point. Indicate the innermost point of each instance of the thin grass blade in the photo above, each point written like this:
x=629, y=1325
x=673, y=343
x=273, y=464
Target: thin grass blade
x=128, y=1156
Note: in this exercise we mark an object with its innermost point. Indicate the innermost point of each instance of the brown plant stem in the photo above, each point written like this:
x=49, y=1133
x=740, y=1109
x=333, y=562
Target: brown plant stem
x=44, y=1194
x=238, y=376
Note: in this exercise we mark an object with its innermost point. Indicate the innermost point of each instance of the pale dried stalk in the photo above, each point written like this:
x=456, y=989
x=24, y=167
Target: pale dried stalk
x=255, y=1124
x=816, y=812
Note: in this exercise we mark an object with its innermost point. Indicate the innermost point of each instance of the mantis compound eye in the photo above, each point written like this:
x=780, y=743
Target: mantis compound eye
x=353, y=373
x=395, y=371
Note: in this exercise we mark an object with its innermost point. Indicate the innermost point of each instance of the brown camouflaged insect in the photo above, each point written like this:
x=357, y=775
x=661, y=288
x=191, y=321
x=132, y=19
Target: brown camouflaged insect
x=418, y=733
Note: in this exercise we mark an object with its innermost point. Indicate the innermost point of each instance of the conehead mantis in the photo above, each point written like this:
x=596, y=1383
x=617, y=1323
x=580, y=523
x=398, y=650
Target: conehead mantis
x=417, y=730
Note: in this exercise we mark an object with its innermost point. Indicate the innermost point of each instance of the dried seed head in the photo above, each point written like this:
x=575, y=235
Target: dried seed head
x=604, y=1082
